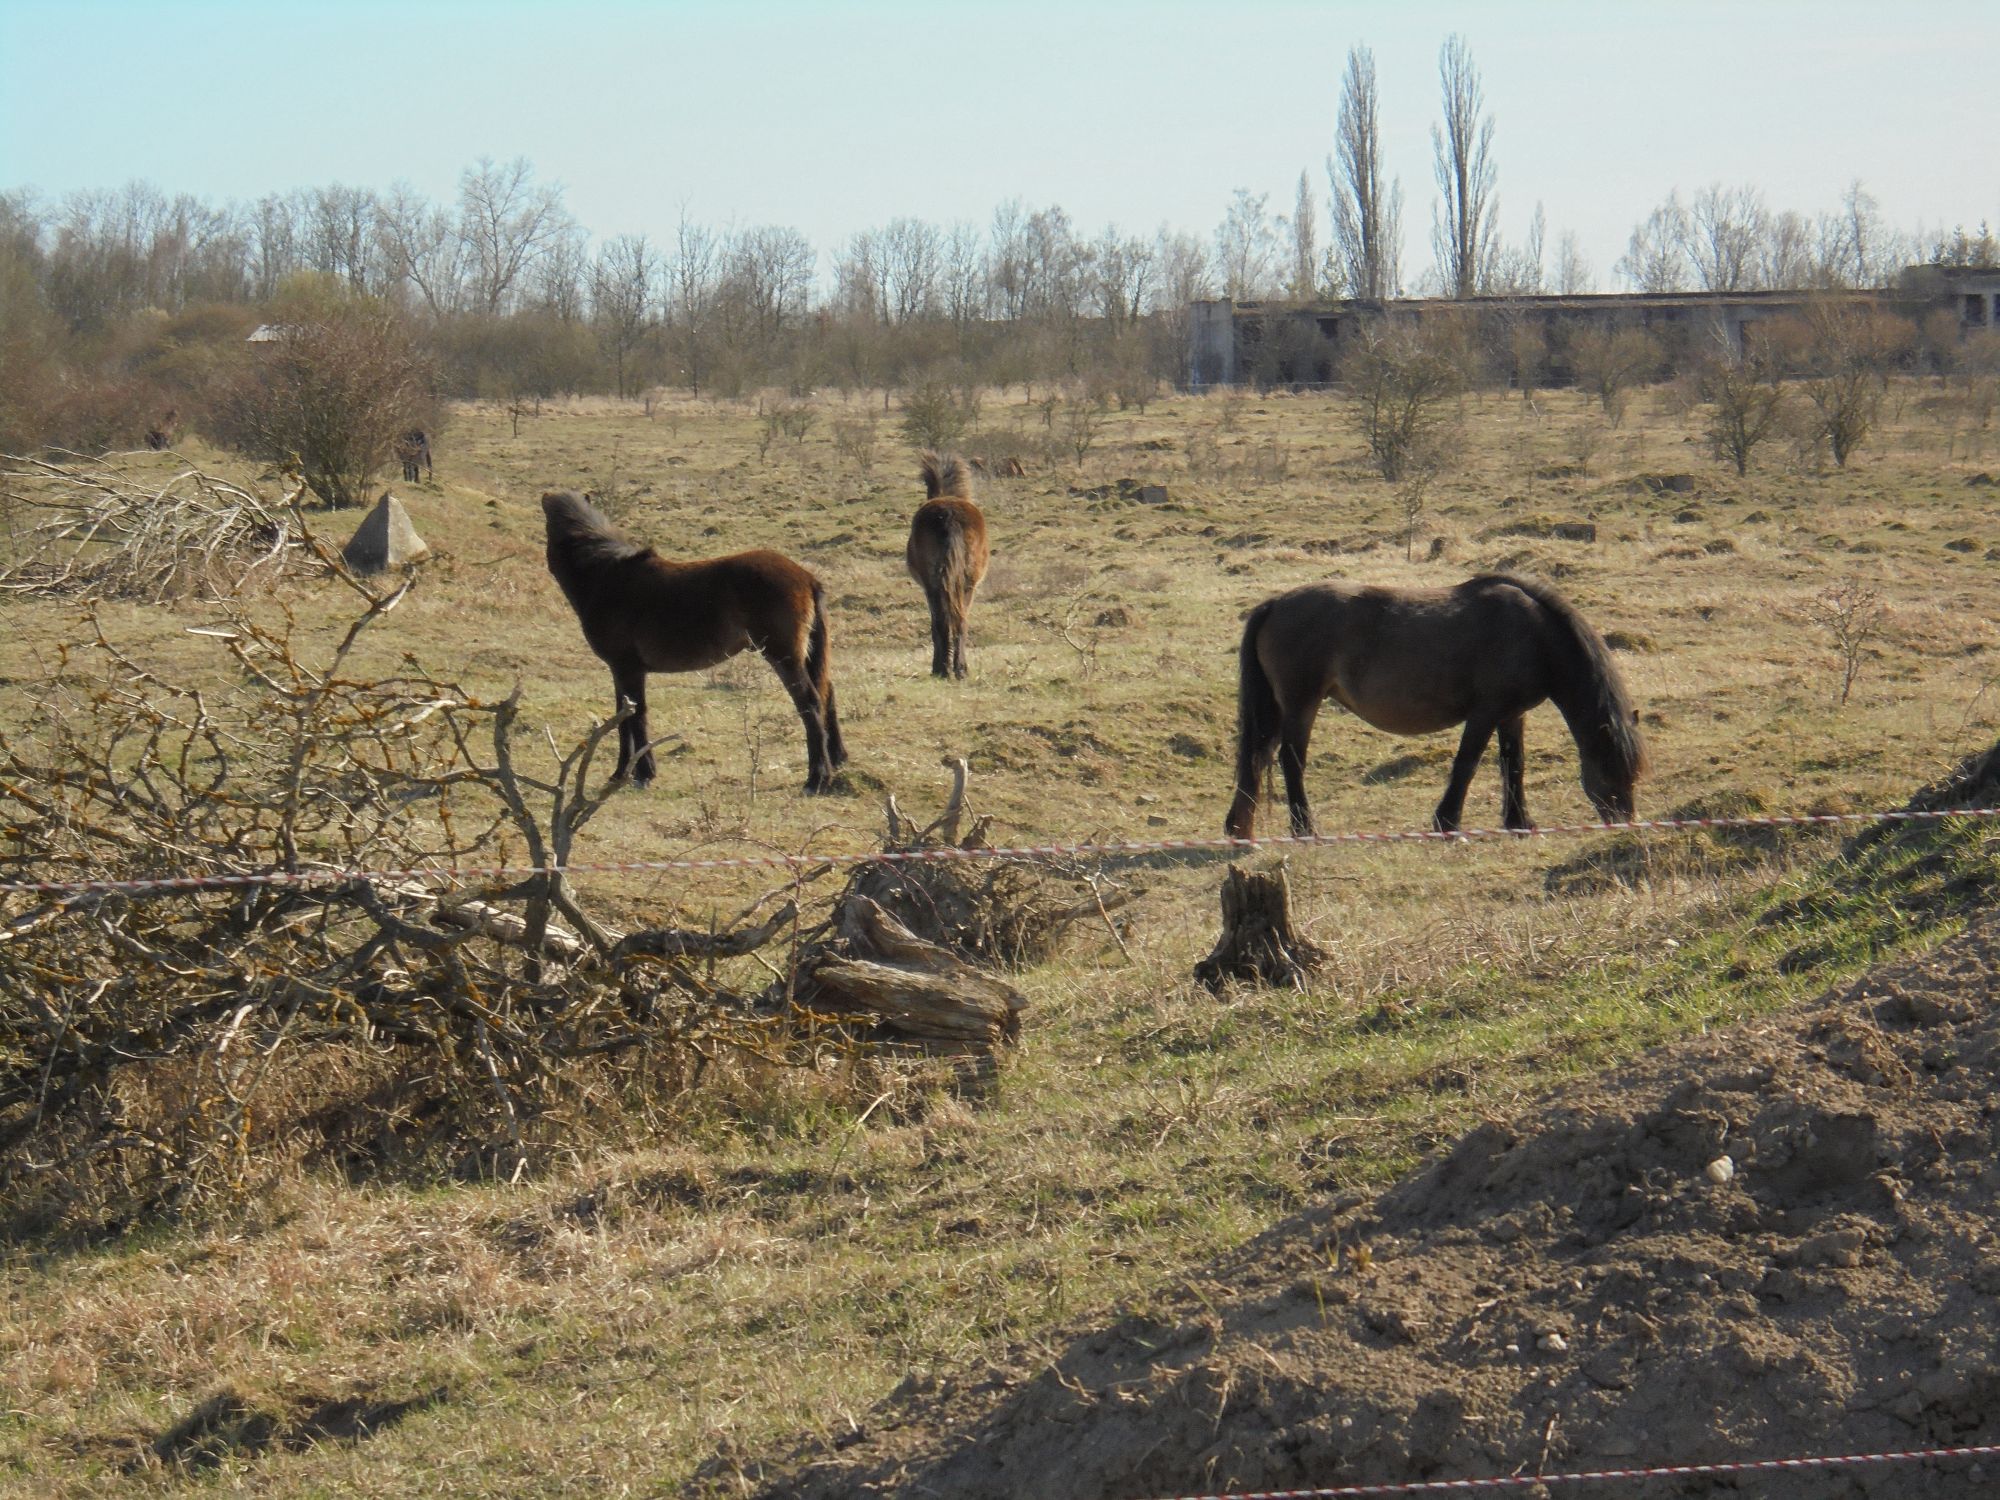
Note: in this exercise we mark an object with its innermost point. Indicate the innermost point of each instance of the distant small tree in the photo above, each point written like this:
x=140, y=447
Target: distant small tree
x=1609, y=362
x=1402, y=384
x=1083, y=414
x=938, y=413
x=334, y=390
x=1852, y=613
x=1847, y=353
x=1746, y=402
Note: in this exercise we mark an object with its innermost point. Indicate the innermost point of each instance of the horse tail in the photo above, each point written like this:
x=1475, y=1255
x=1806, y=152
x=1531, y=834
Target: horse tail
x=1257, y=718
x=945, y=476
x=1592, y=699
x=818, y=669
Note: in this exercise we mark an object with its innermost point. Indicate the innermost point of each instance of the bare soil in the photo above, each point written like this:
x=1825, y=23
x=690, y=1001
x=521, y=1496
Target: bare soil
x=1569, y=1288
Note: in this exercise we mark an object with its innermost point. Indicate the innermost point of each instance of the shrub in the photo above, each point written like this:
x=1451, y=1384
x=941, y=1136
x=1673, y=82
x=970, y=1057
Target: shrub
x=334, y=390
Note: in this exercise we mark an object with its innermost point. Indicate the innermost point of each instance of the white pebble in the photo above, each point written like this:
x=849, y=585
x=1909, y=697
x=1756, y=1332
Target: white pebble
x=1721, y=1170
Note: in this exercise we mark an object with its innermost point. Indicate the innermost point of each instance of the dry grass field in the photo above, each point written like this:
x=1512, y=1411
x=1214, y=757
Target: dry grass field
x=653, y=1310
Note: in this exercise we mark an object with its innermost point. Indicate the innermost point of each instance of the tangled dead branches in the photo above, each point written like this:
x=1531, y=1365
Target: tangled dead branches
x=167, y=1047
x=89, y=528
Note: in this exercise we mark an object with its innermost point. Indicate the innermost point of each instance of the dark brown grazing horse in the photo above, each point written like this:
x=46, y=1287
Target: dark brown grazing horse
x=947, y=555
x=1414, y=661
x=413, y=450
x=642, y=613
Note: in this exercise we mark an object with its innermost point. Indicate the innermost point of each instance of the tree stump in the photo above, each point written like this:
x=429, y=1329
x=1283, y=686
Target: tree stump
x=1257, y=942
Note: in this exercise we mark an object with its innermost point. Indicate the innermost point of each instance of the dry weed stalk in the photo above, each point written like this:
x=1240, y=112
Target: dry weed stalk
x=107, y=533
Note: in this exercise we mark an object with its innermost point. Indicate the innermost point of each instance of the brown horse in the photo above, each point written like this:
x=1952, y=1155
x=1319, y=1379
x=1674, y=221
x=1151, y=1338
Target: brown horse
x=641, y=613
x=947, y=555
x=1414, y=661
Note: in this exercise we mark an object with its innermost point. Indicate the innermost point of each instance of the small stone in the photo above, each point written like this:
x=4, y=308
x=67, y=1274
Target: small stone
x=1721, y=1170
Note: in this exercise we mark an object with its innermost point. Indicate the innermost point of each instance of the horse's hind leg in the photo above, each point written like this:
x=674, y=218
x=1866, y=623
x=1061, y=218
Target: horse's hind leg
x=940, y=633
x=958, y=614
x=836, y=747
x=1513, y=765
x=1471, y=745
x=1294, y=736
x=806, y=699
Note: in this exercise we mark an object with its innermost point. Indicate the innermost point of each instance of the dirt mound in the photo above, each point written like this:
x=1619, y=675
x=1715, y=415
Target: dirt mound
x=1784, y=1239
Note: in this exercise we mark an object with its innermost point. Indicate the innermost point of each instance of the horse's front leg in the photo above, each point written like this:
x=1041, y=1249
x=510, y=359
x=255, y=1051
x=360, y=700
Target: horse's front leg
x=1294, y=736
x=1471, y=745
x=1513, y=767
x=634, y=752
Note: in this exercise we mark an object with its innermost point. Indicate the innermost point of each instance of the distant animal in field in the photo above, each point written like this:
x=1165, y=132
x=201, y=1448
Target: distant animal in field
x=642, y=613
x=160, y=435
x=413, y=451
x=947, y=556
x=1414, y=661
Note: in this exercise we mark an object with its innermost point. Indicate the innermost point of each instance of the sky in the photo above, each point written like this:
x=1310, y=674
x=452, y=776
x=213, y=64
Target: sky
x=834, y=118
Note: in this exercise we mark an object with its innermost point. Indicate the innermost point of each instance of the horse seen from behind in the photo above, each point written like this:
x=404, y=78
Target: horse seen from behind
x=413, y=451
x=947, y=556
x=1414, y=661
x=642, y=613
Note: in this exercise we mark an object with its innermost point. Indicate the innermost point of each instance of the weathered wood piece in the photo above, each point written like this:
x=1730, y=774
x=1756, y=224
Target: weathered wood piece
x=911, y=986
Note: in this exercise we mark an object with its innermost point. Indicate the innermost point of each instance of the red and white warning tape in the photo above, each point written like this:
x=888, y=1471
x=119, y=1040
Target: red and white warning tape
x=1663, y=1471
x=333, y=875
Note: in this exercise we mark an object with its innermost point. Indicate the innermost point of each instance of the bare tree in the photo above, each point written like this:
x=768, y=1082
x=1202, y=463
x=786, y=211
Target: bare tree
x=561, y=274
x=621, y=296
x=1122, y=268
x=1246, y=245
x=1848, y=353
x=423, y=248
x=505, y=221
x=1402, y=383
x=1463, y=232
x=1723, y=229
x=1572, y=275
x=1367, y=212
x=1303, y=284
x=340, y=235
x=1784, y=252
x=1746, y=401
x=1655, y=260
x=692, y=273
x=911, y=254
x=963, y=277
x=1610, y=361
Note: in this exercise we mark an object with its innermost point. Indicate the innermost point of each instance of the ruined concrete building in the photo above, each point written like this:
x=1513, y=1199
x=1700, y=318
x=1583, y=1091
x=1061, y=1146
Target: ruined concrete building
x=1286, y=343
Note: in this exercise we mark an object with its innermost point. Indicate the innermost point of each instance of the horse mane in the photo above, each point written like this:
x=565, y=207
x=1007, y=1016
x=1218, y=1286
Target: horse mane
x=946, y=476
x=1595, y=703
x=583, y=535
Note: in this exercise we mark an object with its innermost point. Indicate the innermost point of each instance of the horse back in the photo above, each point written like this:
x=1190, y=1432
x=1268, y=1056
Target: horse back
x=683, y=616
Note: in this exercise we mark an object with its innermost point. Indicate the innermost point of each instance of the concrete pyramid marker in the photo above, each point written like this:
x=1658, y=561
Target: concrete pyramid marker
x=384, y=539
